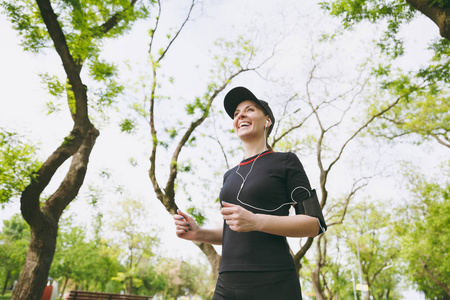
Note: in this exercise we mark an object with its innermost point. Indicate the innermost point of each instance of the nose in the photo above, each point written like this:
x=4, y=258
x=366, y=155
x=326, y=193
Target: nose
x=240, y=115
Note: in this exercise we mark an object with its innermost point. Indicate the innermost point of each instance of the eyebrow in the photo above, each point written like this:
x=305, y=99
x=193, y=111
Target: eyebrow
x=245, y=107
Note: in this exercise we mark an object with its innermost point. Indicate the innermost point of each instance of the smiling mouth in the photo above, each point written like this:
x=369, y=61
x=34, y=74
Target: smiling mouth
x=244, y=124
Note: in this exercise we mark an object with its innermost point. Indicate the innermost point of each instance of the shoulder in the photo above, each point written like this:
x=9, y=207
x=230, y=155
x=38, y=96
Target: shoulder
x=286, y=156
x=290, y=160
x=227, y=173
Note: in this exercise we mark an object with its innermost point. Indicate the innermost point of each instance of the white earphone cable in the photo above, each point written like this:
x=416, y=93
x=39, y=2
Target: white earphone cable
x=245, y=179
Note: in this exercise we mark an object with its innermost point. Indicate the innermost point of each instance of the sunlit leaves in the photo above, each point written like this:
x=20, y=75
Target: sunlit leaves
x=17, y=164
x=394, y=12
x=197, y=214
x=55, y=88
x=82, y=260
x=127, y=125
x=197, y=104
x=235, y=55
x=27, y=20
x=425, y=235
x=106, y=96
x=84, y=23
x=423, y=93
x=14, y=239
x=101, y=70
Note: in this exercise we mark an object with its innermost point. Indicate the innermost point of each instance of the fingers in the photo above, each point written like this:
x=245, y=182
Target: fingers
x=237, y=218
x=182, y=214
x=182, y=222
x=229, y=209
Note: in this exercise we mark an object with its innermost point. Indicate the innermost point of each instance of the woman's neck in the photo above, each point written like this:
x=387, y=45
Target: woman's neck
x=252, y=149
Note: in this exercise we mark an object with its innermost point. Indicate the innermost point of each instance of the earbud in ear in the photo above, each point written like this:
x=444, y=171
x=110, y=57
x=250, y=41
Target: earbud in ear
x=267, y=123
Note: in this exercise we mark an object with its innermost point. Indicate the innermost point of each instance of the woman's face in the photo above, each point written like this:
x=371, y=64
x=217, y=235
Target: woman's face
x=249, y=120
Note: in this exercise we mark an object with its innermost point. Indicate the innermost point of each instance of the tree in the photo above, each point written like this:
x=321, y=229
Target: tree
x=14, y=239
x=81, y=261
x=135, y=242
x=424, y=235
x=152, y=281
x=369, y=234
x=396, y=12
x=185, y=278
x=76, y=31
x=426, y=110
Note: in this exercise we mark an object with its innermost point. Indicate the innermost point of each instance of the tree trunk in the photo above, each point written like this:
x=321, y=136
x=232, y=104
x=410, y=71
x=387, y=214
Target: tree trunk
x=44, y=220
x=315, y=274
x=301, y=253
x=8, y=274
x=130, y=285
x=315, y=278
x=213, y=257
x=440, y=16
x=64, y=287
x=34, y=275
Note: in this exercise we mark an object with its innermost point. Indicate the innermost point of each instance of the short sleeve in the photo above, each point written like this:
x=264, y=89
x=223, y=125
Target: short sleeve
x=299, y=190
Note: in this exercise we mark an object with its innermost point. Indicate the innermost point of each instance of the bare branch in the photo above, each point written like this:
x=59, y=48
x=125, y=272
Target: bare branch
x=441, y=141
x=365, y=125
x=355, y=188
x=152, y=35
x=277, y=139
x=216, y=138
x=177, y=33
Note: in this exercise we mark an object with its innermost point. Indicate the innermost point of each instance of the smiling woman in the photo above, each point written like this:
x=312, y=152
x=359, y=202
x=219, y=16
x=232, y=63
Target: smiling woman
x=256, y=197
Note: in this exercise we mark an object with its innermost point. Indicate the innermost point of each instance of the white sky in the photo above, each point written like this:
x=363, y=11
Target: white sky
x=22, y=102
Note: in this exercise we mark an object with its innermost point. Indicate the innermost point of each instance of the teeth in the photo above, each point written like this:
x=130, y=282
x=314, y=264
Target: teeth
x=244, y=124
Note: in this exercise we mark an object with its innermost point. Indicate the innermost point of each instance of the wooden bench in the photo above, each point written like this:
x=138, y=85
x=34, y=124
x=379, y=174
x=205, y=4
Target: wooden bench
x=82, y=295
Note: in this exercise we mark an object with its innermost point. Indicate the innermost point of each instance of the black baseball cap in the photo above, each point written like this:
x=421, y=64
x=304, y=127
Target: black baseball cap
x=239, y=94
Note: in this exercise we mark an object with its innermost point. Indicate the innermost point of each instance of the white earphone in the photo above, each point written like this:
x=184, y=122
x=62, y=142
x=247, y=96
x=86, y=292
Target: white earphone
x=267, y=123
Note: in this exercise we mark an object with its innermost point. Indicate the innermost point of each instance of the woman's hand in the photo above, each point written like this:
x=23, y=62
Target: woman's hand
x=186, y=227
x=238, y=218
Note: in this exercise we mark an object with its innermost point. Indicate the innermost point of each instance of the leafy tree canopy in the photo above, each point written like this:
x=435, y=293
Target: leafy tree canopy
x=425, y=236
x=17, y=164
x=422, y=92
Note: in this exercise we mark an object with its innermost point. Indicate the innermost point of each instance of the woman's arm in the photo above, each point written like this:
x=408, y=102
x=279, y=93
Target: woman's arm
x=241, y=220
x=187, y=228
x=291, y=226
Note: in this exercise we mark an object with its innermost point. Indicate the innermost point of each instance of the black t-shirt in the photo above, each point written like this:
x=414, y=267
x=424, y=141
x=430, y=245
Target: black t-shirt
x=273, y=182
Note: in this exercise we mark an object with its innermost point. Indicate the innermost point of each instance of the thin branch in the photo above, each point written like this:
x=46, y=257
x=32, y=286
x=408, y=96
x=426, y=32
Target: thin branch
x=440, y=141
x=178, y=32
x=350, y=104
x=353, y=191
x=216, y=138
x=385, y=263
x=433, y=277
x=277, y=139
x=365, y=125
x=158, y=17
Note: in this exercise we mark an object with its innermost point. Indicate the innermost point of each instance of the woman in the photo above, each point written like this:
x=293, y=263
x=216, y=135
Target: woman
x=255, y=198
